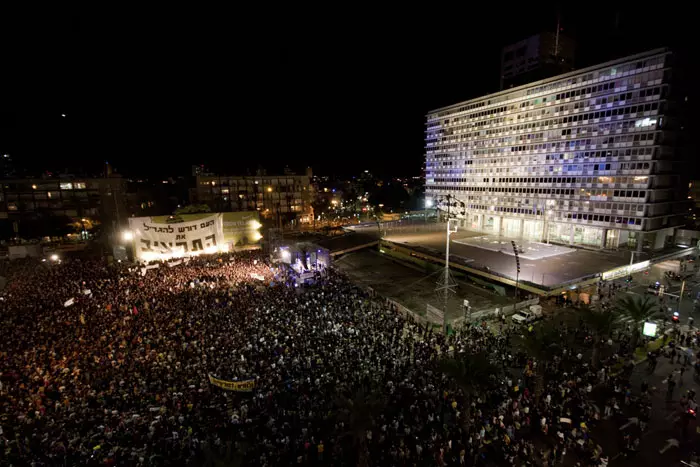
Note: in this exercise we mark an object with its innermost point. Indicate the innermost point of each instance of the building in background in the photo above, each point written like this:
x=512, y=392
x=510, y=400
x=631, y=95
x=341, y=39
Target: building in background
x=280, y=199
x=538, y=57
x=200, y=170
x=8, y=168
x=40, y=207
x=585, y=158
x=694, y=207
x=155, y=196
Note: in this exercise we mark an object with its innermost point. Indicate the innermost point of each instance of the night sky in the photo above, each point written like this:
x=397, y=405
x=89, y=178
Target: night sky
x=342, y=91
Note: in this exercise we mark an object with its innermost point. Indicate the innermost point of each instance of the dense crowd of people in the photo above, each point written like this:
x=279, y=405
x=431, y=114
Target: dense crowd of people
x=110, y=364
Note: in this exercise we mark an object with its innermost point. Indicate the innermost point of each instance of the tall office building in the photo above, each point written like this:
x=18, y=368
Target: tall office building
x=537, y=57
x=584, y=158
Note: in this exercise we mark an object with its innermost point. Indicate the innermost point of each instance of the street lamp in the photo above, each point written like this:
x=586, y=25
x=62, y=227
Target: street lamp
x=517, y=267
x=450, y=201
x=447, y=285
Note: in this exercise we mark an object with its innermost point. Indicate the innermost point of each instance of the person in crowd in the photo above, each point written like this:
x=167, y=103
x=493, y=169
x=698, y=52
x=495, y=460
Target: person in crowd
x=110, y=364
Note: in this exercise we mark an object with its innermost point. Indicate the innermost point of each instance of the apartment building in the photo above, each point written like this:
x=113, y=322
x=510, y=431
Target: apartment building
x=27, y=205
x=281, y=198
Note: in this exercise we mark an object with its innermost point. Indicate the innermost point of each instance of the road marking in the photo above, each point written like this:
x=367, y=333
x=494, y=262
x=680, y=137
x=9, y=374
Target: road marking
x=669, y=444
x=631, y=421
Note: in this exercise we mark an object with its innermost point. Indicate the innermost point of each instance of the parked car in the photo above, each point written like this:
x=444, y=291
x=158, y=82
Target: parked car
x=528, y=316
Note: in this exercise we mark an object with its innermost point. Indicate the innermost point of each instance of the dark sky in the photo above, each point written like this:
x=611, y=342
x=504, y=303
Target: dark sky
x=341, y=91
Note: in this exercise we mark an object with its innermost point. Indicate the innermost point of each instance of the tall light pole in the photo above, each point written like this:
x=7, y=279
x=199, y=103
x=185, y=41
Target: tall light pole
x=517, y=268
x=447, y=285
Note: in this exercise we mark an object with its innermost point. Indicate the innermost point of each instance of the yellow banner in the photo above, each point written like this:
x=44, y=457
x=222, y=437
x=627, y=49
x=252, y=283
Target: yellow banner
x=240, y=386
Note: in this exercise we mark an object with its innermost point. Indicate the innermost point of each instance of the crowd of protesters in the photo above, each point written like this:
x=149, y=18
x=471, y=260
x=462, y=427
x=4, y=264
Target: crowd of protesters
x=120, y=375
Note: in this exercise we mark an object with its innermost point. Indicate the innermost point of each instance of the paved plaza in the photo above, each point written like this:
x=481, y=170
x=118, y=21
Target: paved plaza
x=527, y=249
x=537, y=266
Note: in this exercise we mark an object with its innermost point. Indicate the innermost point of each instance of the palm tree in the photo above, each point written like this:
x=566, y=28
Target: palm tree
x=471, y=373
x=601, y=324
x=358, y=413
x=639, y=309
x=543, y=345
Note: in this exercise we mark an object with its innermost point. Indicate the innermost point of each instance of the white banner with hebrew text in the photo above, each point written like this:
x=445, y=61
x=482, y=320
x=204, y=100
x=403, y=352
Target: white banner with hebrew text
x=154, y=241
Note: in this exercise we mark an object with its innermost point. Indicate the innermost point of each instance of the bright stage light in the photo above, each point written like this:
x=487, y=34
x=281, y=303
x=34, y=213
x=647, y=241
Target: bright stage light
x=54, y=257
x=428, y=203
x=286, y=256
x=127, y=235
x=255, y=224
x=256, y=236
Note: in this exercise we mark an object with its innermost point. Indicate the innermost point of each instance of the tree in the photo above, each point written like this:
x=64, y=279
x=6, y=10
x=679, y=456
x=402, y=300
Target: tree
x=319, y=205
x=601, y=324
x=470, y=372
x=391, y=195
x=358, y=413
x=639, y=309
x=543, y=345
x=45, y=224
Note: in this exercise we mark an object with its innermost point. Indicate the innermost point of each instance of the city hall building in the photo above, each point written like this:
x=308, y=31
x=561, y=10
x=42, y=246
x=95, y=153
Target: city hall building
x=585, y=158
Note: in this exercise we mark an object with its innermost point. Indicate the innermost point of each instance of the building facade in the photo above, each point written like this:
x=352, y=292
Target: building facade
x=280, y=198
x=29, y=206
x=584, y=158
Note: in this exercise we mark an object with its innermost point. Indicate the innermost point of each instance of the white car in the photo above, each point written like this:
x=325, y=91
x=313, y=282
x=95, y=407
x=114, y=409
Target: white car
x=527, y=316
x=519, y=318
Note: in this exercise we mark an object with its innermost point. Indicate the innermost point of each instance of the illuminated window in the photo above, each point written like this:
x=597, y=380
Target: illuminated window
x=66, y=186
x=79, y=185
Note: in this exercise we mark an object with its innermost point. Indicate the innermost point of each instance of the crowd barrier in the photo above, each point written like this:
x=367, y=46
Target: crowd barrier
x=492, y=313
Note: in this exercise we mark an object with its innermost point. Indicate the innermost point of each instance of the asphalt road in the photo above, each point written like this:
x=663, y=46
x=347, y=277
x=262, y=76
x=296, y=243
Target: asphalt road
x=668, y=304
x=666, y=417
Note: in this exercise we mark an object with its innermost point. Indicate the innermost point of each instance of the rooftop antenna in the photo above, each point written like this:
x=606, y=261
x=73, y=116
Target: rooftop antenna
x=556, y=40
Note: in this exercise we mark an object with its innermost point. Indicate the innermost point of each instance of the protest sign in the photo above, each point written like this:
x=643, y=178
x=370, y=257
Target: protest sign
x=239, y=386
